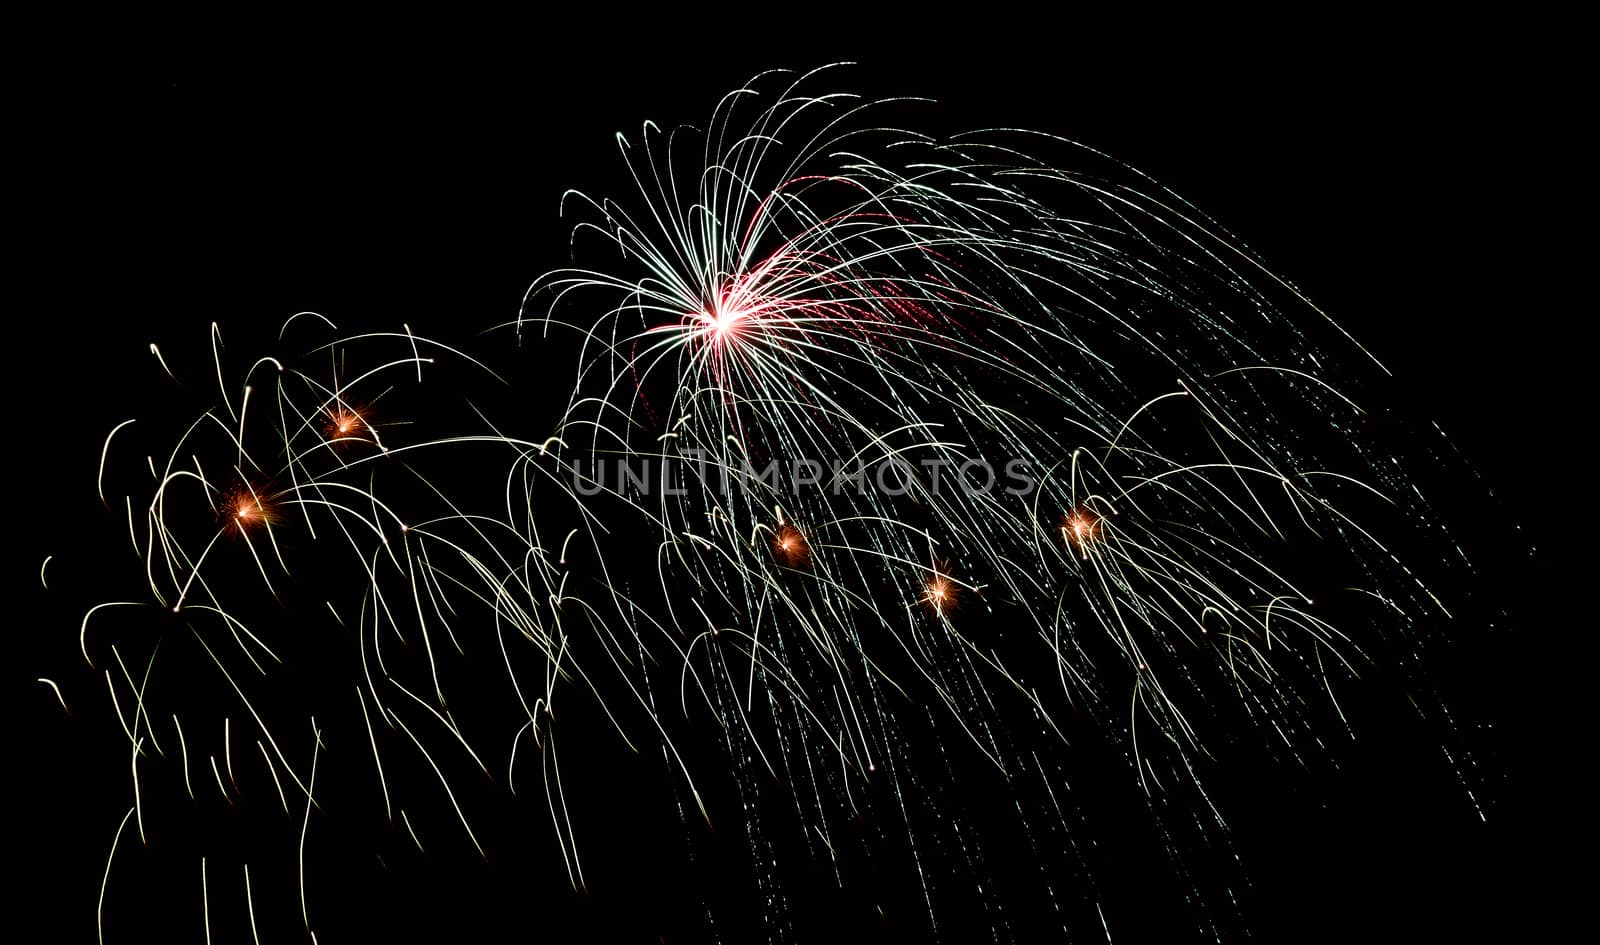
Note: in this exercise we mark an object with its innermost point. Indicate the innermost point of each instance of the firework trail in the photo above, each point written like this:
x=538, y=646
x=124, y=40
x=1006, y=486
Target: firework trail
x=879, y=454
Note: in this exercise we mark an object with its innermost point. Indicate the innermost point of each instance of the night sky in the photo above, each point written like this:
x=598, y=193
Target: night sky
x=1401, y=177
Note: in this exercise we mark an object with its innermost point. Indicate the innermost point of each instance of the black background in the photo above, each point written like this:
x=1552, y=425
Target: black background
x=1407, y=176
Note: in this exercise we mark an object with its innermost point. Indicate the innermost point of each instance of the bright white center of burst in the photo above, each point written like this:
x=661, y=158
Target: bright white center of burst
x=722, y=322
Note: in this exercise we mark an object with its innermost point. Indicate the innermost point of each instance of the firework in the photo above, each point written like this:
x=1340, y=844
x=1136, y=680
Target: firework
x=878, y=450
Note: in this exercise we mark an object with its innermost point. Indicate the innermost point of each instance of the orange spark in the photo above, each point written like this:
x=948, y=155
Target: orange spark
x=243, y=507
x=1080, y=528
x=791, y=547
x=344, y=422
x=940, y=593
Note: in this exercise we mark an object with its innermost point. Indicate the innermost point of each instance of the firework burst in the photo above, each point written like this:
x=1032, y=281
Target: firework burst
x=878, y=450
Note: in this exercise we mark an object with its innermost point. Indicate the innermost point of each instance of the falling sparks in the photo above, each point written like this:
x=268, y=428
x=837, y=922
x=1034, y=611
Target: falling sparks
x=918, y=357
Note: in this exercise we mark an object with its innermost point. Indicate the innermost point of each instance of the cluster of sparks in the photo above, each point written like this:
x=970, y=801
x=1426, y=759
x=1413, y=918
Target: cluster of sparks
x=898, y=318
